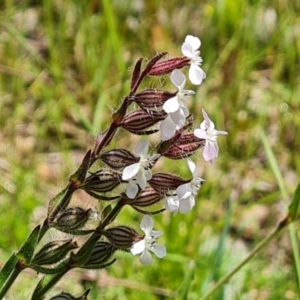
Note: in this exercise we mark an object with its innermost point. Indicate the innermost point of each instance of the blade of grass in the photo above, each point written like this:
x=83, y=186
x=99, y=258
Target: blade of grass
x=279, y=178
x=113, y=33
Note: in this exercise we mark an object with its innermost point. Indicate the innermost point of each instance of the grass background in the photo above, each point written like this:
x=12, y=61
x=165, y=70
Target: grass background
x=64, y=67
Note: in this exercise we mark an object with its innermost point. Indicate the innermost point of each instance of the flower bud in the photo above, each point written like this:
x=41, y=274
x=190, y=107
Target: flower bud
x=139, y=120
x=67, y=296
x=146, y=197
x=169, y=65
x=54, y=251
x=152, y=99
x=163, y=183
x=72, y=218
x=102, y=181
x=101, y=253
x=183, y=147
x=118, y=158
x=122, y=237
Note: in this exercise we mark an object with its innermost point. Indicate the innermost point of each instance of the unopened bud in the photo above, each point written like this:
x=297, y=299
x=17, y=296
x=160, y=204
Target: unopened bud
x=118, y=158
x=122, y=237
x=54, y=252
x=152, y=99
x=67, y=296
x=73, y=218
x=101, y=253
x=102, y=181
x=139, y=120
x=163, y=183
x=169, y=65
x=146, y=197
x=183, y=147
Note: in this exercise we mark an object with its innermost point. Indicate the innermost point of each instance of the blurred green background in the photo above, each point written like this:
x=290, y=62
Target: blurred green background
x=64, y=68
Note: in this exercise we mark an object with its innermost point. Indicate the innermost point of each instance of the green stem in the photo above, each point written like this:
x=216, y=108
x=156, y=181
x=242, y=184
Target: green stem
x=49, y=285
x=263, y=243
x=85, y=248
x=10, y=280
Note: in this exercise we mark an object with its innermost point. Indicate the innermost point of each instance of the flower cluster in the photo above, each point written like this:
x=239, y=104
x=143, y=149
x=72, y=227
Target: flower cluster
x=130, y=179
x=167, y=114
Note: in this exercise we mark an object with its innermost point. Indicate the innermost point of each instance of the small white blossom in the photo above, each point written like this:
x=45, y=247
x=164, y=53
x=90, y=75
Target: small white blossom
x=184, y=199
x=190, y=49
x=148, y=243
x=140, y=172
x=208, y=132
x=175, y=107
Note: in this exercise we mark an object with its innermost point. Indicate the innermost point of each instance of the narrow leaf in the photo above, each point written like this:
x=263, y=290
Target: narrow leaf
x=293, y=210
x=80, y=174
x=27, y=249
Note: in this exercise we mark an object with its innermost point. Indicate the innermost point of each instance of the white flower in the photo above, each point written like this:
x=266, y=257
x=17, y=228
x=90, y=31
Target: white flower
x=190, y=49
x=140, y=172
x=175, y=107
x=184, y=199
x=208, y=132
x=148, y=243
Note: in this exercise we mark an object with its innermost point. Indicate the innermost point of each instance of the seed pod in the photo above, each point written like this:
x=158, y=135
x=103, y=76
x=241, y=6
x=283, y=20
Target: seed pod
x=102, y=181
x=67, y=296
x=169, y=65
x=163, y=183
x=122, y=237
x=139, y=120
x=72, y=218
x=183, y=147
x=54, y=252
x=118, y=158
x=146, y=197
x=152, y=99
x=101, y=253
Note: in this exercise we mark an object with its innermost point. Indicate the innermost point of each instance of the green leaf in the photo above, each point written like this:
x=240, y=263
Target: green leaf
x=188, y=278
x=8, y=268
x=27, y=249
x=61, y=268
x=293, y=211
x=80, y=174
x=60, y=201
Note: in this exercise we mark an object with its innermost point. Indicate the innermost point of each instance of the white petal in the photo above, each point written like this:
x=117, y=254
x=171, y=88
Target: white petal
x=184, y=191
x=178, y=79
x=196, y=74
x=185, y=111
x=141, y=180
x=167, y=128
x=187, y=50
x=178, y=118
x=147, y=224
x=210, y=151
x=160, y=250
x=186, y=205
x=171, y=105
x=130, y=171
x=138, y=247
x=192, y=166
x=193, y=41
x=142, y=148
x=172, y=203
x=146, y=258
x=132, y=190
x=156, y=233
x=221, y=132
x=200, y=134
x=208, y=122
